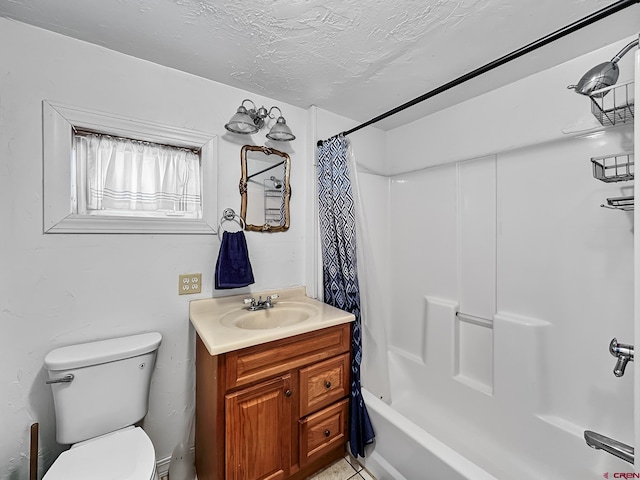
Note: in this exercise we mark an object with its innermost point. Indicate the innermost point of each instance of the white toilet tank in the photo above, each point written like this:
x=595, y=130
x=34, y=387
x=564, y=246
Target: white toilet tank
x=109, y=389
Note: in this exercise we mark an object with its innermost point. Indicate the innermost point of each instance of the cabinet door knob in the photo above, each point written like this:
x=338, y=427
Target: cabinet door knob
x=327, y=433
x=287, y=393
x=327, y=384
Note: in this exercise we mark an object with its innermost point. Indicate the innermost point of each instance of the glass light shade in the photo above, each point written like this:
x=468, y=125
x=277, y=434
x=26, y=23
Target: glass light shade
x=281, y=131
x=241, y=122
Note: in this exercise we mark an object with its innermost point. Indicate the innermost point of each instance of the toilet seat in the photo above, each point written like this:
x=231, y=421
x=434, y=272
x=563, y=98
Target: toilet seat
x=126, y=454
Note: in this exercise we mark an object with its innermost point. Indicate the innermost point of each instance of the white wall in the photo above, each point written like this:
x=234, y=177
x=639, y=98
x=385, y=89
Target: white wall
x=517, y=399
x=62, y=289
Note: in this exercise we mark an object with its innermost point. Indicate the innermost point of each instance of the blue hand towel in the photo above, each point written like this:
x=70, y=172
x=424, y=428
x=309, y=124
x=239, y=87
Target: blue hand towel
x=233, y=269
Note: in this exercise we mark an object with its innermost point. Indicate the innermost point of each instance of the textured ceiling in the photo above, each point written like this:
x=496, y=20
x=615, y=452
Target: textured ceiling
x=357, y=58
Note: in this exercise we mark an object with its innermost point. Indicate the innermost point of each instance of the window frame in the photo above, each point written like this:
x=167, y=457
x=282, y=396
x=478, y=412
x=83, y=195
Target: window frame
x=59, y=182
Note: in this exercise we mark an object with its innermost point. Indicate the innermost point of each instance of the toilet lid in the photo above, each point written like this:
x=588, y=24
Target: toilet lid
x=123, y=455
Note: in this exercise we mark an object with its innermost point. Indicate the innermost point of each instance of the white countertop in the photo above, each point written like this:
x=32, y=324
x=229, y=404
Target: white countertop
x=206, y=316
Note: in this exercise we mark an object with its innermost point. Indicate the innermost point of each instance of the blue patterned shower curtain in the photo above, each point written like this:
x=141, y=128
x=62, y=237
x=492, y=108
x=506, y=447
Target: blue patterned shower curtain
x=340, y=273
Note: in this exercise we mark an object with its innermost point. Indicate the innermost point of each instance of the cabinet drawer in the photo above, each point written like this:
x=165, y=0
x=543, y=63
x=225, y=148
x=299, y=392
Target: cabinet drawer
x=323, y=431
x=256, y=363
x=323, y=383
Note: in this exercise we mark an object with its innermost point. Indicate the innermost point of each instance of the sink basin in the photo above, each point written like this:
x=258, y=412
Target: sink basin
x=282, y=314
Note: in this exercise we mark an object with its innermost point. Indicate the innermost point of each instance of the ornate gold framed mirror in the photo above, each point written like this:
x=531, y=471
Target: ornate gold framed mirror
x=265, y=189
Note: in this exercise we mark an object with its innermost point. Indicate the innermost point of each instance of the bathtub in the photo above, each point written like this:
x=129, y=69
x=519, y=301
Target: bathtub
x=404, y=451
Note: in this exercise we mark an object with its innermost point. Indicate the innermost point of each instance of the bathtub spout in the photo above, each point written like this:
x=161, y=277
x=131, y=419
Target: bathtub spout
x=609, y=445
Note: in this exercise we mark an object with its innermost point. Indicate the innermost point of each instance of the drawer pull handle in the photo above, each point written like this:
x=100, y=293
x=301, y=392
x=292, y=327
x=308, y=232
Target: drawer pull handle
x=287, y=393
x=327, y=384
x=327, y=433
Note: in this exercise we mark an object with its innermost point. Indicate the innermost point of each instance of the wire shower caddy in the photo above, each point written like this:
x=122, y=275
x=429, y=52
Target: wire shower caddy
x=614, y=105
x=614, y=168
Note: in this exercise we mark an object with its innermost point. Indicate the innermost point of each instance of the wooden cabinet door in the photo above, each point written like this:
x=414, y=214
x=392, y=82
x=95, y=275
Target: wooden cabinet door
x=258, y=431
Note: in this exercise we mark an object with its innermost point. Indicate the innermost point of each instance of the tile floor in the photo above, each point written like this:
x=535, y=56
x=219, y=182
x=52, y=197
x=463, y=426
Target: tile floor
x=344, y=469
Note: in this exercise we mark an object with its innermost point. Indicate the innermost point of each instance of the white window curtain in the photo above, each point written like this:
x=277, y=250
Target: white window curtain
x=129, y=175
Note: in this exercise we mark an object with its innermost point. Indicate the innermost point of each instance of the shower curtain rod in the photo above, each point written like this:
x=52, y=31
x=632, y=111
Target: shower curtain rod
x=566, y=30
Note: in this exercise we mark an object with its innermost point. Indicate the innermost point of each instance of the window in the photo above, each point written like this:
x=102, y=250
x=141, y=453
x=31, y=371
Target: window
x=119, y=176
x=109, y=174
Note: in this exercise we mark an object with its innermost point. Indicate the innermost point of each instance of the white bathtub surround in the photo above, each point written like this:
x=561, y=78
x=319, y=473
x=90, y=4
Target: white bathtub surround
x=476, y=225
x=507, y=281
x=520, y=347
x=540, y=364
x=476, y=253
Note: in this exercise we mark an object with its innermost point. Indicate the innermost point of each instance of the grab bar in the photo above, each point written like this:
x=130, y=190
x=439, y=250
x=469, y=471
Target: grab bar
x=609, y=445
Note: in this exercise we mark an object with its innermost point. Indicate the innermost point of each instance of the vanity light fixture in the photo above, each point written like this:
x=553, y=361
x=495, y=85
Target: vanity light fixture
x=251, y=121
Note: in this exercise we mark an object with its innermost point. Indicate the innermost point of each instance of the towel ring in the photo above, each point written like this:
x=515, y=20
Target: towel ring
x=229, y=215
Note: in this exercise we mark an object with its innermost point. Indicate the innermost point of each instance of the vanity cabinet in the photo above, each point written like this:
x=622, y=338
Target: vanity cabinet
x=273, y=411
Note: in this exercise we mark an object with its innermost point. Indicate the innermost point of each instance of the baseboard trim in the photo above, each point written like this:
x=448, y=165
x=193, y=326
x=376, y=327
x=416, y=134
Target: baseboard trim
x=162, y=466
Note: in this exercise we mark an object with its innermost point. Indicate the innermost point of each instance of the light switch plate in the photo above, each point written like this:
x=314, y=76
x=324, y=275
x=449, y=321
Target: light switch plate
x=189, y=283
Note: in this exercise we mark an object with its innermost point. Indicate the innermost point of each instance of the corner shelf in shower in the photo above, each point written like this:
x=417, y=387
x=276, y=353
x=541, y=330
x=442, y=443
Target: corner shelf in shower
x=614, y=105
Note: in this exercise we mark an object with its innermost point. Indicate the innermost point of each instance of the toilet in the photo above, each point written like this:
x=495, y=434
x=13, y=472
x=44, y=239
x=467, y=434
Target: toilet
x=100, y=390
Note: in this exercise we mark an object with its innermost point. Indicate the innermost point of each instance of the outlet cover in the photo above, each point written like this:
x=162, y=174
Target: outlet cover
x=189, y=283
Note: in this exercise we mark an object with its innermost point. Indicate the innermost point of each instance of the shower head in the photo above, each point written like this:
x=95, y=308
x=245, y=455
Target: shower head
x=277, y=183
x=602, y=75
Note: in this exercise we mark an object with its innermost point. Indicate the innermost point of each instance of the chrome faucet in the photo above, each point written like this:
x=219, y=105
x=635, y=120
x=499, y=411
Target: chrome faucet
x=260, y=304
x=624, y=353
x=609, y=445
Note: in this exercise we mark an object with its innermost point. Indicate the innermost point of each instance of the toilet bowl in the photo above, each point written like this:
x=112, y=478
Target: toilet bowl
x=127, y=454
